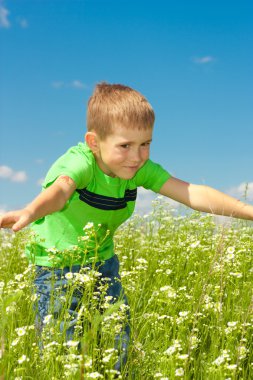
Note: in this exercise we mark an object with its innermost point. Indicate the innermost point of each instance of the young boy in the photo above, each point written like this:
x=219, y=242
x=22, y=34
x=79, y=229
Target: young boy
x=96, y=184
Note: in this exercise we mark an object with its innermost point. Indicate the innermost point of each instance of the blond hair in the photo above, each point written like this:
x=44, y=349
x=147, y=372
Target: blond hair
x=114, y=105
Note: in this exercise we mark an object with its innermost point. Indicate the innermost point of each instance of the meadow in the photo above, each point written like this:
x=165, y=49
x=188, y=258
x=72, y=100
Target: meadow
x=189, y=285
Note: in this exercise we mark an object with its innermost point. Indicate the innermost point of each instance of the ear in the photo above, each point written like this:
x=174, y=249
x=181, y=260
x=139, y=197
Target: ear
x=92, y=141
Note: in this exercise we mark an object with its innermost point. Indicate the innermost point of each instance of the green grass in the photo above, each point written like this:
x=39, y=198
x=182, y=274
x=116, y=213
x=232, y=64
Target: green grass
x=189, y=287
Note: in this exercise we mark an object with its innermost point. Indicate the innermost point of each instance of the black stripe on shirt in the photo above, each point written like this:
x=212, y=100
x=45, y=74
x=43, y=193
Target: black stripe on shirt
x=106, y=203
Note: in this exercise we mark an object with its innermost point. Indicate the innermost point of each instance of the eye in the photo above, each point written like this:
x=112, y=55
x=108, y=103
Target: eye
x=125, y=146
x=146, y=144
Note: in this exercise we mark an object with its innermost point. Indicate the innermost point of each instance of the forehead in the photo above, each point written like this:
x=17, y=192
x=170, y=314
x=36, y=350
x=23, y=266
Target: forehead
x=131, y=135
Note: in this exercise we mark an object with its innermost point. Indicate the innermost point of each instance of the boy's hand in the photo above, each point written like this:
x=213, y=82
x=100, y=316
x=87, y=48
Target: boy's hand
x=206, y=199
x=50, y=200
x=16, y=220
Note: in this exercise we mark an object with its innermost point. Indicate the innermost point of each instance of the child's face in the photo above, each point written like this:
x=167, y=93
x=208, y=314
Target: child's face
x=124, y=152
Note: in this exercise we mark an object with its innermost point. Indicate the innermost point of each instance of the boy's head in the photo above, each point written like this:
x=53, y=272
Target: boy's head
x=113, y=105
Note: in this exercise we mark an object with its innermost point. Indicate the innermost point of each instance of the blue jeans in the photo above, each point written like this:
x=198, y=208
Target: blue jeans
x=49, y=280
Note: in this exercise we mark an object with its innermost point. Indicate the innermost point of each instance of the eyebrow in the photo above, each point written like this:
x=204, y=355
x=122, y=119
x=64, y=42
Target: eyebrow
x=131, y=142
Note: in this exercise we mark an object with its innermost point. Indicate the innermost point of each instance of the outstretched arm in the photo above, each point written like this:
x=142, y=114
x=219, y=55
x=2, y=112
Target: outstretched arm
x=206, y=199
x=50, y=200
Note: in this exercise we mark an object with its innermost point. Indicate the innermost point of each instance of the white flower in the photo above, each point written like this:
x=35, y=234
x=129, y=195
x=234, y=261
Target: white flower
x=51, y=250
x=19, y=277
x=47, y=318
x=218, y=306
x=15, y=342
x=165, y=288
x=222, y=358
x=71, y=369
x=88, y=363
x=84, y=238
x=170, y=350
x=232, y=367
x=72, y=343
x=194, y=340
x=171, y=293
x=69, y=276
x=219, y=360
x=94, y=375
x=22, y=359
x=20, y=331
x=232, y=324
x=242, y=352
x=183, y=356
x=51, y=344
x=179, y=372
x=34, y=297
x=107, y=358
x=88, y=226
x=195, y=244
x=11, y=308
x=142, y=261
x=236, y=274
x=230, y=250
x=84, y=278
x=183, y=313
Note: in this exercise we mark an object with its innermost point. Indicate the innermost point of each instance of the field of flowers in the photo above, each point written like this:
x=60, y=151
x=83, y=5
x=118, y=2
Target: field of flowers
x=189, y=285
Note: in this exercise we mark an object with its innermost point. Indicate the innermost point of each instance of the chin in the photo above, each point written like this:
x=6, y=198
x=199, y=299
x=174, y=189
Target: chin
x=126, y=176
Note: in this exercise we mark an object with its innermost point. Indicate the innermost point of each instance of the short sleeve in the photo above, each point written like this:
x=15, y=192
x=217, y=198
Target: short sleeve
x=76, y=163
x=152, y=176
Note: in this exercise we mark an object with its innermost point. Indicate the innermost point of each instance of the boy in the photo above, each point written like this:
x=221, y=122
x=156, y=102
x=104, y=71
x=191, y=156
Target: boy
x=96, y=184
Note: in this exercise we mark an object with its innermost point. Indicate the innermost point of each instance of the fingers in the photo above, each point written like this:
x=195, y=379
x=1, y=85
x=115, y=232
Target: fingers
x=16, y=227
x=7, y=221
x=21, y=223
x=14, y=220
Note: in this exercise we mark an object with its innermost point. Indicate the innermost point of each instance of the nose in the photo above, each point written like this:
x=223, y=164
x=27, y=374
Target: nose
x=135, y=155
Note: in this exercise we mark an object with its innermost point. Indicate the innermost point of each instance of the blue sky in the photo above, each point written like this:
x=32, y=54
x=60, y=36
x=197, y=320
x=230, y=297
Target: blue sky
x=192, y=59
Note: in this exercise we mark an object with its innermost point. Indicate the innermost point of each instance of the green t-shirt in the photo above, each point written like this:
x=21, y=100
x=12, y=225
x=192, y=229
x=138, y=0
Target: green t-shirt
x=83, y=230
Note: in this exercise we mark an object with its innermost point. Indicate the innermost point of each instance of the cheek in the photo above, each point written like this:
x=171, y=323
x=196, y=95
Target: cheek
x=145, y=154
x=117, y=157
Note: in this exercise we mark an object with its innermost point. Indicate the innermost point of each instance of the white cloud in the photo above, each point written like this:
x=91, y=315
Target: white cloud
x=19, y=176
x=3, y=209
x=4, y=14
x=243, y=191
x=204, y=60
x=23, y=23
x=58, y=84
x=145, y=198
x=39, y=161
x=77, y=84
x=15, y=176
x=5, y=172
x=40, y=181
x=4, y=18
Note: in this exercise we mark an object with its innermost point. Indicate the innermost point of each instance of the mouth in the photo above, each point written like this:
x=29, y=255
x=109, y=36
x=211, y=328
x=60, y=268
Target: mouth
x=135, y=167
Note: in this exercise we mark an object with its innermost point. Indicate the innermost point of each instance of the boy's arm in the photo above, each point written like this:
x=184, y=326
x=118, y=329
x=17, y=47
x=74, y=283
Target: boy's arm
x=50, y=200
x=206, y=199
